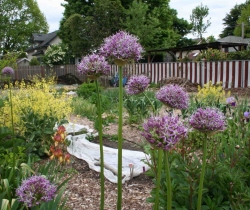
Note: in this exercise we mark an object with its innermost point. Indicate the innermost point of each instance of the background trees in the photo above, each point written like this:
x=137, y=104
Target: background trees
x=243, y=21
x=233, y=20
x=18, y=20
x=153, y=21
x=197, y=17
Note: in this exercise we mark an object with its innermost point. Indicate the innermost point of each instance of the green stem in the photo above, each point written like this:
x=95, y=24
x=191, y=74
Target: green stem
x=119, y=196
x=168, y=180
x=12, y=129
x=150, y=102
x=101, y=144
x=158, y=181
x=11, y=109
x=204, y=160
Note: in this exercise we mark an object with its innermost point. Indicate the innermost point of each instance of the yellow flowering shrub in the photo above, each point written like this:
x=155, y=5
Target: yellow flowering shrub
x=210, y=94
x=39, y=98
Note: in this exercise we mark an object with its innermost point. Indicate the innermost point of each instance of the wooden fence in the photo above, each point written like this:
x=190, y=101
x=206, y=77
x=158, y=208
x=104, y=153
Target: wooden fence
x=232, y=74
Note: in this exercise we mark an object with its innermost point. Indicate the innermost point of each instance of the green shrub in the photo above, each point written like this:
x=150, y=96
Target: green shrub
x=34, y=62
x=212, y=55
x=86, y=90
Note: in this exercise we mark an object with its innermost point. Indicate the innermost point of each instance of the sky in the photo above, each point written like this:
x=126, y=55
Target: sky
x=218, y=9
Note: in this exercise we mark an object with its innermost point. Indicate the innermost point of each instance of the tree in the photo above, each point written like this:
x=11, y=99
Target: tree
x=84, y=34
x=244, y=18
x=197, y=17
x=230, y=21
x=210, y=39
x=153, y=21
x=18, y=20
x=140, y=23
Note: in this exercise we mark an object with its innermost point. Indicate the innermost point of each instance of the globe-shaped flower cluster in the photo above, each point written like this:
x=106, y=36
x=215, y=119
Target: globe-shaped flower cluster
x=173, y=96
x=121, y=45
x=8, y=71
x=231, y=101
x=35, y=191
x=137, y=84
x=164, y=132
x=208, y=120
x=247, y=114
x=94, y=65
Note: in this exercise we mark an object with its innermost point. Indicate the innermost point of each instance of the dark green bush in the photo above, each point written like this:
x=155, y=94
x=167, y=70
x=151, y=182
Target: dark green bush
x=86, y=90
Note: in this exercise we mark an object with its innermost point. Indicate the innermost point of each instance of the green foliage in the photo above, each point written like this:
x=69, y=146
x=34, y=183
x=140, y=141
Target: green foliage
x=85, y=90
x=21, y=18
x=197, y=19
x=141, y=23
x=38, y=131
x=34, y=62
x=212, y=55
x=239, y=55
x=83, y=107
x=9, y=183
x=226, y=184
x=243, y=18
x=230, y=21
x=139, y=107
x=9, y=59
x=55, y=55
x=86, y=23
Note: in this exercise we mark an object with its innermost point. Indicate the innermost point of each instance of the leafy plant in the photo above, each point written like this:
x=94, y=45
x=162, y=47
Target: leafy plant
x=85, y=90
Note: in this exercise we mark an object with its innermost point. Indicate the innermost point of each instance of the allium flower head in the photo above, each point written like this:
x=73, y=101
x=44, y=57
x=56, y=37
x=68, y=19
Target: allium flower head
x=164, y=132
x=137, y=84
x=247, y=115
x=121, y=45
x=207, y=120
x=7, y=71
x=36, y=190
x=231, y=101
x=173, y=96
x=94, y=65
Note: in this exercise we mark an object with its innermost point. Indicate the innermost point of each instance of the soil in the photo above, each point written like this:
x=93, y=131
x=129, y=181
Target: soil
x=83, y=190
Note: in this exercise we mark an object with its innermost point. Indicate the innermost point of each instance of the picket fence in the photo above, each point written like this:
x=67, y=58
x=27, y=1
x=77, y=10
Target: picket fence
x=232, y=74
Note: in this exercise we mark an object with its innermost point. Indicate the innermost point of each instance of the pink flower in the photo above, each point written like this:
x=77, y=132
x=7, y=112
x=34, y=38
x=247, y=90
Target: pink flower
x=122, y=45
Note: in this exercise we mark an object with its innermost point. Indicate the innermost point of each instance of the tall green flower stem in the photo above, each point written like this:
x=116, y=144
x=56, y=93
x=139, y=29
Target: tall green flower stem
x=153, y=108
x=119, y=196
x=101, y=144
x=204, y=160
x=12, y=126
x=11, y=107
x=168, y=181
x=158, y=180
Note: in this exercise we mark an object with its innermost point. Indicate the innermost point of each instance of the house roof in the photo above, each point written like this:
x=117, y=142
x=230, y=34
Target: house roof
x=43, y=40
x=234, y=39
x=214, y=45
x=23, y=59
x=230, y=41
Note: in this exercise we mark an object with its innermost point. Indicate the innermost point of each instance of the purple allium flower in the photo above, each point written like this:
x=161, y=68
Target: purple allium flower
x=207, y=120
x=94, y=65
x=247, y=115
x=137, y=84
x=164, y=132
x=36, y=190
x=7, y=71
x=231, y=101
x=173, y=96
x=122, y=45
